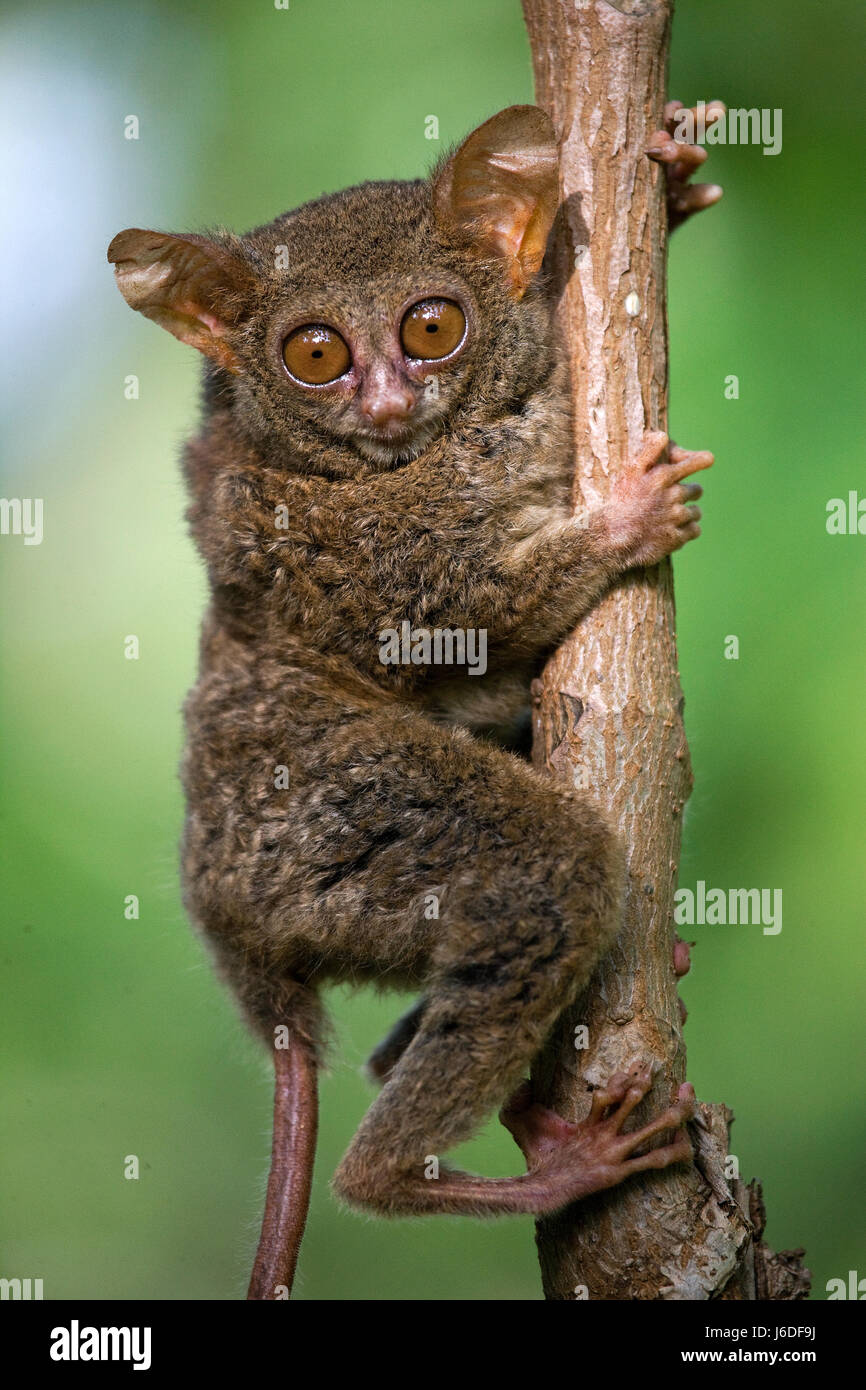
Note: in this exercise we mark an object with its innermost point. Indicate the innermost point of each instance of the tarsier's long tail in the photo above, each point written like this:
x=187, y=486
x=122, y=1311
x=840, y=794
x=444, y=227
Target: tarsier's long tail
x=293, y=1151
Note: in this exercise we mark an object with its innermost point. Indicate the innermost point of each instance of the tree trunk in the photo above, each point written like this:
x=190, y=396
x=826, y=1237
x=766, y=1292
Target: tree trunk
x=608, y=707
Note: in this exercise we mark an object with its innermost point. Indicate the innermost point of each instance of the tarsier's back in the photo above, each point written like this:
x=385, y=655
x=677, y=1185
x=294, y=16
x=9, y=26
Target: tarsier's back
x=381, y=493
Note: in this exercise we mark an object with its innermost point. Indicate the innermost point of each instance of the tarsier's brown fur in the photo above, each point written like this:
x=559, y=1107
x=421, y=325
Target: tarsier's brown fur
x=331, y=798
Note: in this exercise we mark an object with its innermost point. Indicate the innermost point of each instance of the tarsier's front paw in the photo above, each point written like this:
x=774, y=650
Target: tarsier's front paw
x=647, y=515
x=569, y=1161
x=681, y=159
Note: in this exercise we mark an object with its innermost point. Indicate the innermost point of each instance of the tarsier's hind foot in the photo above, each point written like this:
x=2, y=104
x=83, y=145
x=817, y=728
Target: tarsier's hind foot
x=530, y=900
x=577, y=1159
x=565, y=1161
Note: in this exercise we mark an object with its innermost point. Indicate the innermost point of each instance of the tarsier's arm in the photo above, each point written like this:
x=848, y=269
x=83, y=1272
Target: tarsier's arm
x=526, y=595
x=646, y=517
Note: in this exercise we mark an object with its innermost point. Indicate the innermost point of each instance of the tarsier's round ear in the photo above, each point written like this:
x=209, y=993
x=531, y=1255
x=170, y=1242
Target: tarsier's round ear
x=188, y=284
x=501, y=190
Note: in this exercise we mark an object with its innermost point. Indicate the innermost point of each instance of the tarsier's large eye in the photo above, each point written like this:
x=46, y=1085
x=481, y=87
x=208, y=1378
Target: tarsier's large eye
x=433, y=328
x=316, y=354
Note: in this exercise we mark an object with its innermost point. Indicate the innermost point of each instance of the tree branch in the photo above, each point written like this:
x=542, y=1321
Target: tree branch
x=608, y=708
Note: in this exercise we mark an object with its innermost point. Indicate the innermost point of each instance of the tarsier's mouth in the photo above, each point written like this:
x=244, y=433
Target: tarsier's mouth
x=398, y=440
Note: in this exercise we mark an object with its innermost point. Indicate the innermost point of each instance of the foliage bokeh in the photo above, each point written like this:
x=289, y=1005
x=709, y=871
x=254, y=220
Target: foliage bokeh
x=117, y=1039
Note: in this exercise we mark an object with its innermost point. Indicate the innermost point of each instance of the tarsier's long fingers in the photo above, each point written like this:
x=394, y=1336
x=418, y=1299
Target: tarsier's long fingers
x=647, y=516
x=673, y=117
x=653, y=447
x=691, y=198
x=674, y=109
x=682, y=462
x=682, y=159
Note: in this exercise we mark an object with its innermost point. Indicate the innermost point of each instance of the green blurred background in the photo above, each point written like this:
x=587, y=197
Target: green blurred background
x=116, y=1038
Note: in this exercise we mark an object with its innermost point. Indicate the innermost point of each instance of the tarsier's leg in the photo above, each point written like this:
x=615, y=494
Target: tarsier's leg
x=565, y=1161
x=525, y=917
x=535, y=1128
x=329, y=877
x=594, y=1154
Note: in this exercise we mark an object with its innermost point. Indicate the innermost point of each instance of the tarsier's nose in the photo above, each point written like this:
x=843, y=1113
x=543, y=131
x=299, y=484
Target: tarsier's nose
x=385, y=398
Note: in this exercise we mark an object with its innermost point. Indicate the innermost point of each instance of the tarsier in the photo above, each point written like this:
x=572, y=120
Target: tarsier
x=386, y=441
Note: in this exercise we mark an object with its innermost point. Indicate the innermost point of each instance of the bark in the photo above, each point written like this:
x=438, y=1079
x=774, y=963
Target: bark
x=608, y=708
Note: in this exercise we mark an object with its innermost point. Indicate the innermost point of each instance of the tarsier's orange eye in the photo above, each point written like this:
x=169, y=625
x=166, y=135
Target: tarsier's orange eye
x=433, y=328
x=316, y=354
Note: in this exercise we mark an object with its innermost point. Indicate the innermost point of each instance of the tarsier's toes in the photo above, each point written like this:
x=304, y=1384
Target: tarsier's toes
x=676, y=1151
x=682, y=1109
x=622, y=1150
x=616, y=1100
x=537, y=1130
x=659, y=452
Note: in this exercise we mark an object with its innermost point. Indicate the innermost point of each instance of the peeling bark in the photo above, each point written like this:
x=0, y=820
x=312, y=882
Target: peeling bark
x=608, y=708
